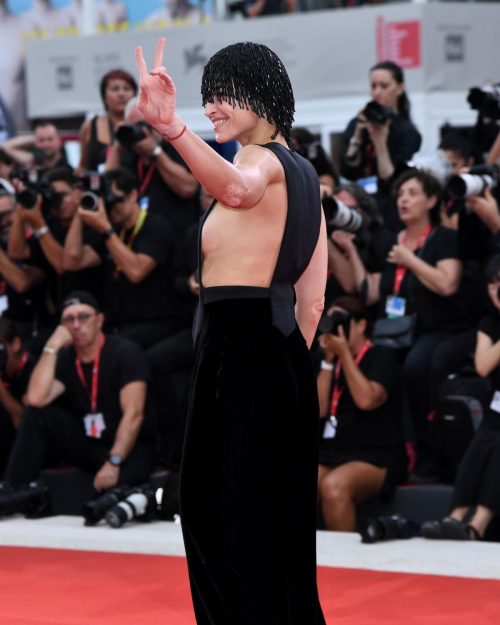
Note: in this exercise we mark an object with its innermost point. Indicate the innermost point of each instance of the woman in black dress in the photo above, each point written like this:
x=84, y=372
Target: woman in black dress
x=249, y=472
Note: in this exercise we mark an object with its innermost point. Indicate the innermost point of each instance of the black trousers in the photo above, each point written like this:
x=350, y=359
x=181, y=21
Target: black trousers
x=477, y=480
x=249, y=471
x=58, y=433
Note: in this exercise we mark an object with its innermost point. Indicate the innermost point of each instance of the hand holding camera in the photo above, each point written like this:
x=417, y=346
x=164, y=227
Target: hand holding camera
x=486, y=208
x=106, y=477
x=344, y=240
x=33, y=216
x=334, y=344
x=96, y=218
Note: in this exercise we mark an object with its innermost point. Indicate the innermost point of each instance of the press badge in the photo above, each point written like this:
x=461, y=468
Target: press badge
x=395, y=306
x=94, y=425
x=370, y=184
x=330, y=428
x=495, y=402
x=4, y=303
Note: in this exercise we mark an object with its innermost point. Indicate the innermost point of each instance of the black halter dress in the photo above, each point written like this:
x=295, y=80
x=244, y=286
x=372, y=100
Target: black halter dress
x=250, y=463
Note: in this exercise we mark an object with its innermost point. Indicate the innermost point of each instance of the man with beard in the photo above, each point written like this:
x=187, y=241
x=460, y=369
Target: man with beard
x=44, y=148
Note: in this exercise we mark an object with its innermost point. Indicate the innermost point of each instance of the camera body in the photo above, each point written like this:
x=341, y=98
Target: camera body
x=330, y=324
x=486, y=100
x=130, y=134
x=376, y=113
x=34, y=183
x=479, y=178
x=388, y=528
x=95, y=186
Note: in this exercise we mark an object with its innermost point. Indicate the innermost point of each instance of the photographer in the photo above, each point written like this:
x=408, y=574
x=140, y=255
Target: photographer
x=97, y=135
x=44, y=148
x=419, y=281
x=138, y=254
x=307, y=146
x=50, y=226
x=375, y=148
x=362, y=453
x=368, y=237
x=22, y=286
x=109, y=428
x=7, y=165
x=16, y=366
x=476, y=485
x=166, y=185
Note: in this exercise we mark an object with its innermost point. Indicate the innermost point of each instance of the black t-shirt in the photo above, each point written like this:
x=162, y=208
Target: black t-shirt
x=62, y=285
x=179, y=212
x=18, y=383
x=490, y=325
x=121, y=363
x=153, y=298
x=375, y=429
x=434, y=312
x=403, y=141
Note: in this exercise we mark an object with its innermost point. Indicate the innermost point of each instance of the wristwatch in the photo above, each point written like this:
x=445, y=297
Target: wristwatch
x=115, y=460
x=39, y=232
x=105, y=235
x=155, y=153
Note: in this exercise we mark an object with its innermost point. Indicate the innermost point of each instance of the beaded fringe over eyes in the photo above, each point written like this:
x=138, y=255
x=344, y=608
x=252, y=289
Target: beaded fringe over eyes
x=252, y=76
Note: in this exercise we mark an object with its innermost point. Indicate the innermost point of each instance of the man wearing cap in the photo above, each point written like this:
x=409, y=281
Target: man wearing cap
x=108, y=429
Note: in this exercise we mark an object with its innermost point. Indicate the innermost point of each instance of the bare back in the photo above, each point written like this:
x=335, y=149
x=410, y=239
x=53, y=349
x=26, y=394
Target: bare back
x=241, y=246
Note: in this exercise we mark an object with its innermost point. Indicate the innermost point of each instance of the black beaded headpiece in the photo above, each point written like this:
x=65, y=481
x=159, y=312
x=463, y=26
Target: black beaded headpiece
x=252, y=76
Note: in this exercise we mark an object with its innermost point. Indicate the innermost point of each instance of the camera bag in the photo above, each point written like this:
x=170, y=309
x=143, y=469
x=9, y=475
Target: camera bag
x=397, y=333
x=458, y=416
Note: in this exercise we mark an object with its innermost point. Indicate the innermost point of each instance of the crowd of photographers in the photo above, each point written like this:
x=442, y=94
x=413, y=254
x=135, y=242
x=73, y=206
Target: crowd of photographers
x=99, y=287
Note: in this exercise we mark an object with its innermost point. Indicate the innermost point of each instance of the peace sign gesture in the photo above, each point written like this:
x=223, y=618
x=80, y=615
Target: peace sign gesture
x=157, y=91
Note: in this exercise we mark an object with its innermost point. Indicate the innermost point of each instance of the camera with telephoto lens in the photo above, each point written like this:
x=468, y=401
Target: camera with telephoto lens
x=338, y=216
x=486, y=100
x=33, y=501
x=479, y=178
x=130, y=134
x=388, y=528
x=329, y=324
x=138, y=505
x=32, y=184
x=95, y=510
x=376, y=113
x=96, y=186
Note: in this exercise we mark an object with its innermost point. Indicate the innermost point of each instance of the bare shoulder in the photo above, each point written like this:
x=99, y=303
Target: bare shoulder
x=262, y=158
x=85, y=128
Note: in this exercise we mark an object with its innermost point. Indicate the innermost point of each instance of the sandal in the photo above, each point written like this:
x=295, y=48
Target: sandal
x=473, y=533
x=455, y=530
x=432, y=529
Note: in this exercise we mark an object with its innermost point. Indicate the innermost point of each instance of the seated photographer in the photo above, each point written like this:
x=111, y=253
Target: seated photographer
x=366, y=232
x=50, y=219
x=381, y=137
x=166, y=186
x=137, y=251
x=7, y=165
x=362, y=453
x=416, y=285
x=16, y=366
x=44, y=148
x=97, y=135
x=108, y=429
x=476, y=484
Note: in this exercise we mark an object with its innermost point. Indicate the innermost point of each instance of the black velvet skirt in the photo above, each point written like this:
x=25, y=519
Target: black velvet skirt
x=249, y=472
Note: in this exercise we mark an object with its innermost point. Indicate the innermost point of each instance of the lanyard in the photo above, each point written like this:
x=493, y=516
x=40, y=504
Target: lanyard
x=95, y=377
x=337, y=391
x=144, y=180
x=138, y=225
x=401, y=269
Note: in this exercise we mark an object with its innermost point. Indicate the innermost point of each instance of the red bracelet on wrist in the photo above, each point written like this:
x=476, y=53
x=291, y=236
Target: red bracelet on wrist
x=177, y=137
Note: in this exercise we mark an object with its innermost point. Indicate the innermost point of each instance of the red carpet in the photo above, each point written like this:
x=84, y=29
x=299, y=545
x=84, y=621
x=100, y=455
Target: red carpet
x=57, y=587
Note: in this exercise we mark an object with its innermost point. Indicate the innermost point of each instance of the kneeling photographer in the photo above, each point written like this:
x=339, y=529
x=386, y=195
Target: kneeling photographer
x=16, y=366
x=137, y=251
x=362, y=454
x=381, y=137
x=109, y=428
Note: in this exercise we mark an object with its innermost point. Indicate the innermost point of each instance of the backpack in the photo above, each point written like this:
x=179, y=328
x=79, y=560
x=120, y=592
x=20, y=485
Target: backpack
x=459, y=413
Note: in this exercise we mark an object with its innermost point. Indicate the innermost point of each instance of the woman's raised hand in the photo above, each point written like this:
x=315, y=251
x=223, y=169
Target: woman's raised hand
x=157, y=91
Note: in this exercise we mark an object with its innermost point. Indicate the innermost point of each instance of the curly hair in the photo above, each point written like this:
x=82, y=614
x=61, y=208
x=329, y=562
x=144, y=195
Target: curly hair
x=252, y=76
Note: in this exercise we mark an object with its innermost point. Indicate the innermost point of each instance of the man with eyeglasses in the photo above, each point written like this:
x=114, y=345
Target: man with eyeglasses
x=44, y=245
x=109, y=428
